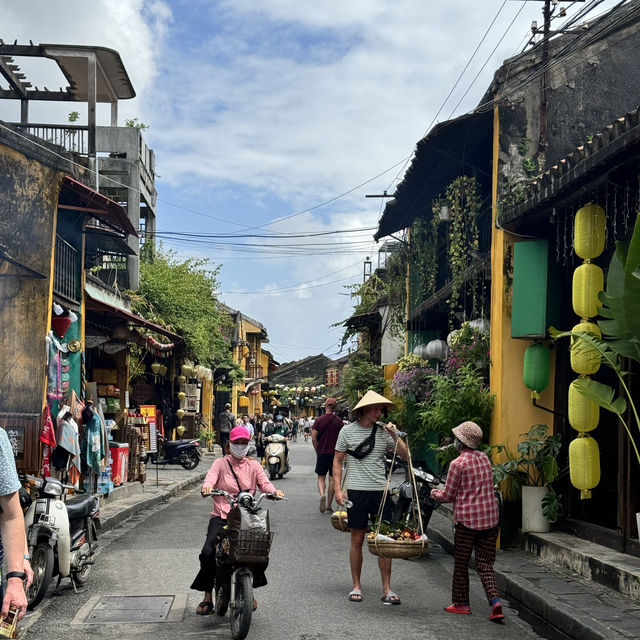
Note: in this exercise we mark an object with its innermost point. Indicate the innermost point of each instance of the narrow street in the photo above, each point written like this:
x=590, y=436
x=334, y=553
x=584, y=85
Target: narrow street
x=155, y=554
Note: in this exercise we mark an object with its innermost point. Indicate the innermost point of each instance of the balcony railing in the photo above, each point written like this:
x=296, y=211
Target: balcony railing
x=65, y=273
x=71, y=137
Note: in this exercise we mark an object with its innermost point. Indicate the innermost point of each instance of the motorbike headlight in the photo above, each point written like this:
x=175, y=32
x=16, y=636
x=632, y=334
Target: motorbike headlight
x=53, y=487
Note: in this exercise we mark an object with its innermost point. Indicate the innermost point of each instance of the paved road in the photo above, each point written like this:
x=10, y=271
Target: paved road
x=155, y=553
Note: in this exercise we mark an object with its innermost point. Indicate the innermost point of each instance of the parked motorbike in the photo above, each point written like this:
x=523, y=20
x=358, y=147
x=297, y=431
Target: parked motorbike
x=277, y=461
x=186, y=453
x=402, y=496
x=239, y=553
x=61, y=535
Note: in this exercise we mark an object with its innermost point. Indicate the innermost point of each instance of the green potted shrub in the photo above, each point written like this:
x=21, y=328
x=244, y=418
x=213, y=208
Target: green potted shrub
x=530, y=474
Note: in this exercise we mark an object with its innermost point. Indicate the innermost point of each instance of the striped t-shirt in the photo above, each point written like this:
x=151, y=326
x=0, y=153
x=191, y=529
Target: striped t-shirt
x=369, y=473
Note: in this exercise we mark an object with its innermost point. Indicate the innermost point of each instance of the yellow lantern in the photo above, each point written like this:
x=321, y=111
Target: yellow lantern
x=589, y=231
x=588, y=281
x=584, y=414
x=182, y=380
x=180, y=429
x=180, y=413
x=181, y=396
x=186, y=370
x=243, y=401
x=584, y=465
x=585, y=358
x=155, y=367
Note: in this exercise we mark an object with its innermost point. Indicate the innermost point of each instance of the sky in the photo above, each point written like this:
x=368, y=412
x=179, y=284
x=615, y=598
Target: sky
x=277, y=118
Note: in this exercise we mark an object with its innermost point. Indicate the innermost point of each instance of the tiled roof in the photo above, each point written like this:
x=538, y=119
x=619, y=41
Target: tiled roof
x=588, y=161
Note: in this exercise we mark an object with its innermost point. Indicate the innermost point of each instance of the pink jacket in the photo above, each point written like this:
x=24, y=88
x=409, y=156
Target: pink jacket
x=250, y=474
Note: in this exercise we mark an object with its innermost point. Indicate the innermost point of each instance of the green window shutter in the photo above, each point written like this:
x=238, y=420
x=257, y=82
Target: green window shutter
x=536, y=290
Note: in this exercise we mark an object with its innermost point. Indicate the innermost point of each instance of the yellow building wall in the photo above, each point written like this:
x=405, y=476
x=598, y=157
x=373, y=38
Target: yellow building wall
x=513, y=412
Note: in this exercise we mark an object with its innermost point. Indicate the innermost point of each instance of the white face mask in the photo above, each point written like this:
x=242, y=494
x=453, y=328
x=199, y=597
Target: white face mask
x=239, y=450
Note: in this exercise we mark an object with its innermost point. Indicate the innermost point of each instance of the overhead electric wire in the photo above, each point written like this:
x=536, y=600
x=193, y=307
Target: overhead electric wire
x=291, y=234
x=486, y=33
x=581, y=41
x=287, y=290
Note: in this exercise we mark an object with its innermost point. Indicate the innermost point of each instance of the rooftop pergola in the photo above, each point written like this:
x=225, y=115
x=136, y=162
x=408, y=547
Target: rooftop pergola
x=94, y=74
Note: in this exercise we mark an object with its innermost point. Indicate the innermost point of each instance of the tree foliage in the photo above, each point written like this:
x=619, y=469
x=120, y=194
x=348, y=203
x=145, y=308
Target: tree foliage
x=181, y=296
x=360, y=376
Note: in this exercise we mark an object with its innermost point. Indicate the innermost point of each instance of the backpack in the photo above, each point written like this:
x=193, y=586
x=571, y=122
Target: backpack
x=225, y=422
x=269, y=429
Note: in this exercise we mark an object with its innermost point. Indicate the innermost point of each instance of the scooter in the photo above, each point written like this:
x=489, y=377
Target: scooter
x=61, y=535
x=238, y=553
x=186, y=453
x=277, y=461
x=404, y=507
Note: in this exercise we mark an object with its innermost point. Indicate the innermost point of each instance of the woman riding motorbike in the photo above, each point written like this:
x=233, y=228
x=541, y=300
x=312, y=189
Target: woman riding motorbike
x=233, y=473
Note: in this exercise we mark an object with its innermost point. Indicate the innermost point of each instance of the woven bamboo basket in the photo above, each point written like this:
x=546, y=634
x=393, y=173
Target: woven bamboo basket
x=339, y=521
x=398, y=548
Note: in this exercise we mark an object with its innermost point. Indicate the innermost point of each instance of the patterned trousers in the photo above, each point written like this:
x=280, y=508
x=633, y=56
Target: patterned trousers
x=484, y=542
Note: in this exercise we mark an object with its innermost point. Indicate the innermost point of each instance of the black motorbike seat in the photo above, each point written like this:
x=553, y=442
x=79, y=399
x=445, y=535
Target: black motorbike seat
x=81, y=506
x=168, y=444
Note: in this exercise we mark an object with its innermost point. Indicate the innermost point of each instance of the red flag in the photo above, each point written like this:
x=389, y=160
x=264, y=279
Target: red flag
x=47, y=433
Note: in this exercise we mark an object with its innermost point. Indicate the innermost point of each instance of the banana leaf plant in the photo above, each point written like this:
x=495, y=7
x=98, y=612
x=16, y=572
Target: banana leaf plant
x=620, y=326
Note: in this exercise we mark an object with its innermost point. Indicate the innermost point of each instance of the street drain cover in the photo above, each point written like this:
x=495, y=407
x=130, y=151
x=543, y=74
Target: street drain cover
x=130, y=609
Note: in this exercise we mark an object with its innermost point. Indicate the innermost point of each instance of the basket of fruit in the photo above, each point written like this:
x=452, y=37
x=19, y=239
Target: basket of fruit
x=339, y=521
x=397, y=543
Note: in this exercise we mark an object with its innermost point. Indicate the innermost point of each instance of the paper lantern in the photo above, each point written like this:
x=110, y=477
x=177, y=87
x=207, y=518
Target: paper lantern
x=60, y=325
x=180, y=429
x=421, y=350
x=155, y=367
x=180, y=413
x=584, y=465
x=589, y=231
x=584, y=414
x=585, y=358
x=186, y=370
x=588, y=281
x=437, y=350
x=181, y=396
x=536, y=369
x=243, y=401
x=182, y=380
x=163, y=369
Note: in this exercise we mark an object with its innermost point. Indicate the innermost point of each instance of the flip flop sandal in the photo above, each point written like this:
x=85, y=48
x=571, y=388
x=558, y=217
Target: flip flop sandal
x=254, y=605
x=390, y=598
x=205, y=608
x=355, y=595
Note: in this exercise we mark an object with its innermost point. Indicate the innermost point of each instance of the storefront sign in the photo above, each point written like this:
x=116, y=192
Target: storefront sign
x=149, y=430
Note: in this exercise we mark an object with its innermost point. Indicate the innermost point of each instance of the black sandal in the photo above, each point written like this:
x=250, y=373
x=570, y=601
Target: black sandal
x=205, y=608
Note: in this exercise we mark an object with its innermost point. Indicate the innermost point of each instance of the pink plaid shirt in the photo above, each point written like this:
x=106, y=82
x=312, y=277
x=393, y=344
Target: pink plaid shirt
x=470, y=487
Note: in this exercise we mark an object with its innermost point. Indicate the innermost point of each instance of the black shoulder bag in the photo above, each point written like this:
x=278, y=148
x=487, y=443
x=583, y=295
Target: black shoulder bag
x=366, y=446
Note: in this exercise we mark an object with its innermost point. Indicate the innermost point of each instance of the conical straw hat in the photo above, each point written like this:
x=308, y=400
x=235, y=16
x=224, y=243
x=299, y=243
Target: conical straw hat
x=371, y=397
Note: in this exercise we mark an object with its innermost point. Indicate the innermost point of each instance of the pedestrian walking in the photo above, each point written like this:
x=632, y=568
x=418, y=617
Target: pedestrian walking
x=226, y=422
x=324, y=436
x=306, y=427
x=469, y=486
x=363, y=445
x=13, y=540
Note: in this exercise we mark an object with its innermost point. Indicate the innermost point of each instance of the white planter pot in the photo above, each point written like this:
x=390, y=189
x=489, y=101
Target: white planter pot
x=532, y=518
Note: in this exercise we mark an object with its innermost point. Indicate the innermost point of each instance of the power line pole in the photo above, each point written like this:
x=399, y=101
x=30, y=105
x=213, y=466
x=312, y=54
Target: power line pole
x=548, y=12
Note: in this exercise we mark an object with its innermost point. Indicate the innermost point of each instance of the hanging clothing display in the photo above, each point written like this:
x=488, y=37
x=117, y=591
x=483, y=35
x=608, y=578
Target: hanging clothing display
x=48, y=438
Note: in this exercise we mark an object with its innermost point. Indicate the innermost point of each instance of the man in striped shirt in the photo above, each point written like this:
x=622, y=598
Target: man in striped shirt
x=475, y=514
x=365, y=483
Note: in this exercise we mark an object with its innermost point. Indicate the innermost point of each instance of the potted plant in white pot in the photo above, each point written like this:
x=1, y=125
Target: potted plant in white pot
x=531, y=474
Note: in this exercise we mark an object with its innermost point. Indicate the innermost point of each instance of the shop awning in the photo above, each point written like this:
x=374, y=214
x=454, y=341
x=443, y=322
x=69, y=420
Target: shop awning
x=451, y=149
x=106, y=241
x=75, y=196
x=125, y=316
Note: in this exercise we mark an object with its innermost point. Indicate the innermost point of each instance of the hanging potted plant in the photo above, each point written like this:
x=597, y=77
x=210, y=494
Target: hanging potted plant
x=531, y=474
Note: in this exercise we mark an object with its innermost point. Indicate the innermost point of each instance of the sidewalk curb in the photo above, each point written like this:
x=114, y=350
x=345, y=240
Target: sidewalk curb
x=558, y=614
x=121, y=514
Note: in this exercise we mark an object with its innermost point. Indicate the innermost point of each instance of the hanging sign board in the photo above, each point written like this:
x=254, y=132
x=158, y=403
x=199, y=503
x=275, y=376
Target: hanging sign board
x=149, y=430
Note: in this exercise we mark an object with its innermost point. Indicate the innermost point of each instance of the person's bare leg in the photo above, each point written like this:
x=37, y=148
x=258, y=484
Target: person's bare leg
x=330, y=493
x=384, y=565
x=355, y=556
